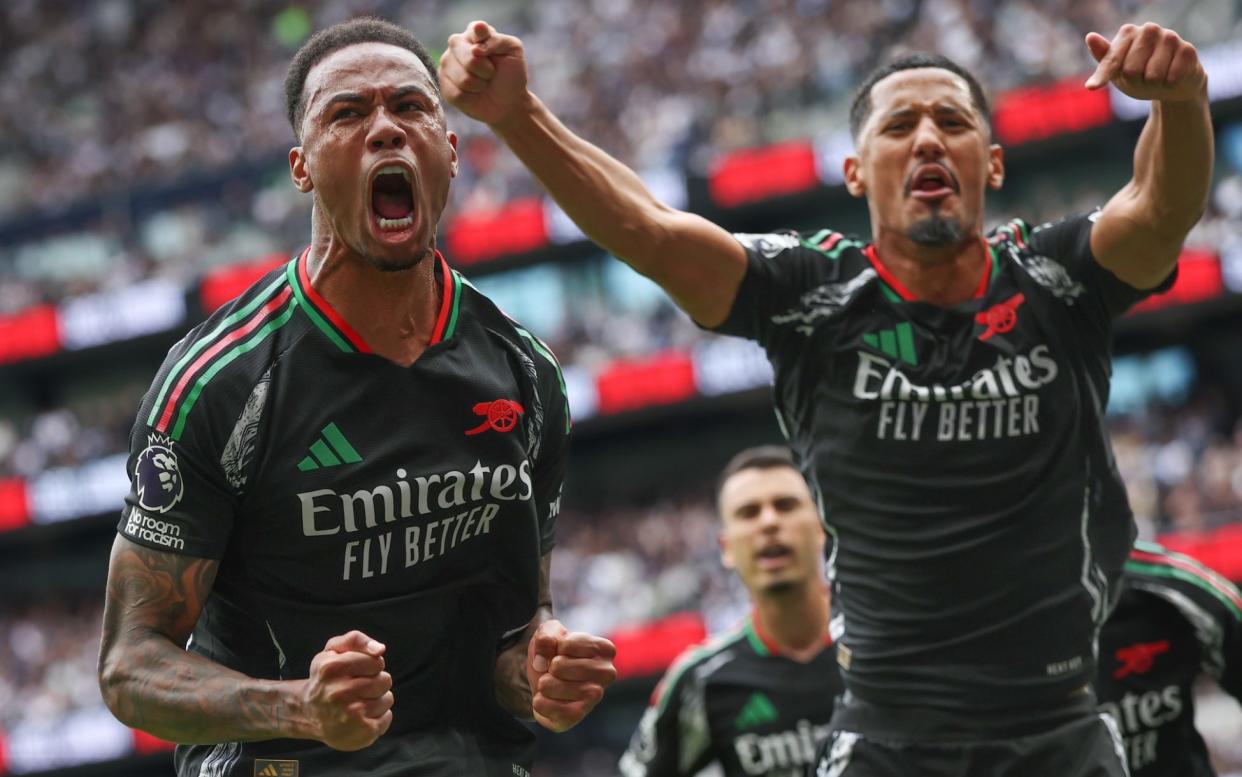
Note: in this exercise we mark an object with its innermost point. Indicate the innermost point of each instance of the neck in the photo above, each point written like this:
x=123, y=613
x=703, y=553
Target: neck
x=796, y=620
x=941, y=275
x=393, y=312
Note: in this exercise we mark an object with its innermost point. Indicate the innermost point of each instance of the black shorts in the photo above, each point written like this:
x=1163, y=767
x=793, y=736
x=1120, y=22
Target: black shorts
x=1089, y=746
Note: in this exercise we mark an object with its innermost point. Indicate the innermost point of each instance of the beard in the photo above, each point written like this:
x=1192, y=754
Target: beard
x=780, y=588
x=936, y=231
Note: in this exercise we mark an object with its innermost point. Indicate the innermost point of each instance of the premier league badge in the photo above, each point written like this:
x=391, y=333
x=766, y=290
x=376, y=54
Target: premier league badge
x=157, y=475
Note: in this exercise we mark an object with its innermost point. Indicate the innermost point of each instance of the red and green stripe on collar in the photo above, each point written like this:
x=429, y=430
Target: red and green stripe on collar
x=345, y=337
x=238, y=333
x=895, y=291
x=248, y=326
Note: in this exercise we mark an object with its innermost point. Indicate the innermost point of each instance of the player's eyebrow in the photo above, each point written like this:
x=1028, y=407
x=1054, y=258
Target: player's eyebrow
x=343, y=97
x=411, y=89
x=939, y=109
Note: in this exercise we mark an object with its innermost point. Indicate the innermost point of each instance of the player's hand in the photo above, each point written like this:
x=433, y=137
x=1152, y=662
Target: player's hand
x=568, y=674
x=1147, y=63
x=348, y=695
x=483, y=73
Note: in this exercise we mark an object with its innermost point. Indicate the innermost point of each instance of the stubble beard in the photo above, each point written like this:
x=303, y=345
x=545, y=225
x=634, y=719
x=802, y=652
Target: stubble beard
x=936, y=231
x=782, y=587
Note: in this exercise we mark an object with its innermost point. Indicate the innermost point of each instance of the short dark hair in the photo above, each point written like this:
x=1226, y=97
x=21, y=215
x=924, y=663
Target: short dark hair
x=860, y=108
x=758, y=457
x=364, y=29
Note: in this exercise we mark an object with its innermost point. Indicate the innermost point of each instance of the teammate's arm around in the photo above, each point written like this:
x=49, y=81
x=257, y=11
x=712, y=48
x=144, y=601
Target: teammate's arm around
x=483, y=74
x=1140, y=233
x=149, y=681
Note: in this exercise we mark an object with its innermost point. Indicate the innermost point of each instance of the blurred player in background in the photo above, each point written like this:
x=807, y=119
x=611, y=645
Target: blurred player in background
x=1176, y=621
x=944, y=390
x=756, y=699
x=345, y=482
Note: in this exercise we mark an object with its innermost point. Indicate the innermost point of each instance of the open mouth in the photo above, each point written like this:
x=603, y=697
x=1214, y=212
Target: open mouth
x=774, y=554
x=931, y=182
x=392, y=199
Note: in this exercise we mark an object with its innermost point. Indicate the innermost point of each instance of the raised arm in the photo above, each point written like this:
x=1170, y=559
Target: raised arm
x=149, y=681
x=483, y=74
x=1140, y=233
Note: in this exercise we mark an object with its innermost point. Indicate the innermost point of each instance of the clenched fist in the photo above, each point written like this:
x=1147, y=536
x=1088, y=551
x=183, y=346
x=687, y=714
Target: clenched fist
x=348, y=696
x=568, y=674
x=1147, y=63
x=483, y=73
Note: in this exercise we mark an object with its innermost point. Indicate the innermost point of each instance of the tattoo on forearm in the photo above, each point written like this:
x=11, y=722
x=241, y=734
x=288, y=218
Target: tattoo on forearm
x=153, y=601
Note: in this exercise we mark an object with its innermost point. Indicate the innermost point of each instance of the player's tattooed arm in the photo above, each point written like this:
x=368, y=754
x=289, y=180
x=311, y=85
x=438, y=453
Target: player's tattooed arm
x=513, y=692
x=149, y=681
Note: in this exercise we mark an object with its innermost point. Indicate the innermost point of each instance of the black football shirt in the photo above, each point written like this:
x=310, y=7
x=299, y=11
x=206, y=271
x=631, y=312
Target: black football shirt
x=736, y=703
x=1176, y=622
x=341, y=491
x=960, y=460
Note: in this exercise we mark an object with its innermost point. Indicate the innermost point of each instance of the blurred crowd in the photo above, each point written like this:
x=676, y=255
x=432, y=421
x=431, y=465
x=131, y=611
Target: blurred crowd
x=89, y=425
x=166, y=148
x=119, y=92
x=48, y=650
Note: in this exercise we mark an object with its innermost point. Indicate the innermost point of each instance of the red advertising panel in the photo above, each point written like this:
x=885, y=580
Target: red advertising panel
x=1220, y=550
x=515, y=228
x=660, y=380
x=220, y=286
x=759, y=173
x=14, y=506
x=32, y=333
x=1038, y=112
x=646, y=650
x=1198, y=278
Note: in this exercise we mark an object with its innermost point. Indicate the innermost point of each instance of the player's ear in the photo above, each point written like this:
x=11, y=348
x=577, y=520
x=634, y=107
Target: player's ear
x=726, y=555
x=854, y=181
x=996, y=166
x=298, y=170
x=452, y=139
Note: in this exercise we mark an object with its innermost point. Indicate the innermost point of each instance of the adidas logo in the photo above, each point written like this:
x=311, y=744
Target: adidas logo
x=757, y=711
x=895, y=343
x=264, y=767
x=330, y=450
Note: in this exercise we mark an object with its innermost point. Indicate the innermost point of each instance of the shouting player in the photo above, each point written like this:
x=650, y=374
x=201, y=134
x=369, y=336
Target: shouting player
x=757, y=699
x=1176, y=621
x=943, y=389
x=344, y=483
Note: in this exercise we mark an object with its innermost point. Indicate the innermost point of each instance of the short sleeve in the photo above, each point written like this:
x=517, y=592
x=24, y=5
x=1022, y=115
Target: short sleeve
x=1066, y=244
x=780, y=269
x=179, y=499
x=671, y=739
x=1210, y=603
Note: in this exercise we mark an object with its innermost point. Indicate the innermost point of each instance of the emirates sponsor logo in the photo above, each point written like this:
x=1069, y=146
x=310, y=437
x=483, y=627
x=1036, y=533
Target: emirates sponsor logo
x=1000, y=401
x=784, y=752
x=464, y=503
